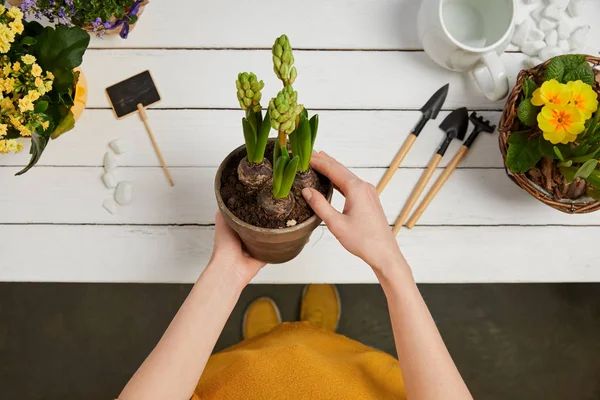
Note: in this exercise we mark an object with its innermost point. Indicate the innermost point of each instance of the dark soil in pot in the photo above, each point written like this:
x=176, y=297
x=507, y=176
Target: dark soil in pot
x=244, y=204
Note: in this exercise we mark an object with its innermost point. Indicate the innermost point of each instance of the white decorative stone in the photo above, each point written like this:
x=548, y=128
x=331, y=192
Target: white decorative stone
x=575, y=8
x=535, y=35
x=119, y=146
x=531, y=1
x=110, y=206
x=549, y=52
x=533, y=48
x=564, y=30
x=110, y=162
x=537, y=13
x=564, y=46
x=532, y=62
x=560, y=4
x=109, y=179
x=577, y=39
x=551, y=12
x=522, y=32
x=291, y=222
x=551, y=38
x=547, y=24
x=124, y=193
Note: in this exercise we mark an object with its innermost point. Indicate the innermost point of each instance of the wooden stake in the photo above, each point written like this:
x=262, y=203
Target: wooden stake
x=458, y=157
x=417, y=191
x=410, y=140
x=156, y=148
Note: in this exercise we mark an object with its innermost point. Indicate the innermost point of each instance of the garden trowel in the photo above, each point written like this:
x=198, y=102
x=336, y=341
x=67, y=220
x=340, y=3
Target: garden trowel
x=455, y=125
x=430, y=110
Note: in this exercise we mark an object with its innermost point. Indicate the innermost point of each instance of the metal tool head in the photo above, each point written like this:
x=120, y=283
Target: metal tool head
x=432, y=108
x=456, y=123
x=480, y=125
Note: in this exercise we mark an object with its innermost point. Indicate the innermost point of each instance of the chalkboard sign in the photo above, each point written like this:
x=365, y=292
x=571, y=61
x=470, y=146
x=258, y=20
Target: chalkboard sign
x=126, y=95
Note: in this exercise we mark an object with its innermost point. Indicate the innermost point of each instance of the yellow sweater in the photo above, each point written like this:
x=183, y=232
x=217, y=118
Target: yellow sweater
x=299, y=361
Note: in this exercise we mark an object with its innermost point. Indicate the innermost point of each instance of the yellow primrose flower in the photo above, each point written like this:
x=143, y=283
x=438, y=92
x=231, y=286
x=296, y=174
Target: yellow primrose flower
x=560, y=125
x=551, y=93
x=45, y=124
x=16, y=66
x=584, y=98
x=16, y=26
x=28, y=59
x=25, y=104
x=15, y=13
x=36, y=70
x=3, y=129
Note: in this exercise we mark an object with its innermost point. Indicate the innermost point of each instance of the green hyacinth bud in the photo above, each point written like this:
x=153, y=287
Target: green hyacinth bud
x=283, y=61
x=248, y=91
x=284, y=109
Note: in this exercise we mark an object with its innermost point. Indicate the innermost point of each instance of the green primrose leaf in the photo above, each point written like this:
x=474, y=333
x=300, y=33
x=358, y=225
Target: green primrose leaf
x=594, y=193
x=587, y=157
x=568, y=173
x=581, y=150
x=594, y=179
x=262, y=139
x=314, y=127
x=584, y=73
x=288, y=177
x=555, y=69
x=558, y=153
x=593, y=124
x=586, y=169
x=527, y=112
x=280, y=165
x=40, y=106
x=529, y=87
x=38, y=144
x=250, y=139
x=523, y=154
x=572, y=61
x=566, y=163
x=546, y=148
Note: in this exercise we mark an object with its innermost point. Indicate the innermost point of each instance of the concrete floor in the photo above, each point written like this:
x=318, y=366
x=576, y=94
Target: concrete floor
x=83, y=341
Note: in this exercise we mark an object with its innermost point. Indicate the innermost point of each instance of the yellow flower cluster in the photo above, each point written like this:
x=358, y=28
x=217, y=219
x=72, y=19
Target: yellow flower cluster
x=565, y=108
x=10, y=146
x=11, y=24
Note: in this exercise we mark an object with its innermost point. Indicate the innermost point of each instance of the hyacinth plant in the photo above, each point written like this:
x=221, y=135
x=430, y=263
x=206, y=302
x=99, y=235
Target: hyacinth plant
x=93, y=16
x=559, y=147
x=37, y=82
x=289, y=119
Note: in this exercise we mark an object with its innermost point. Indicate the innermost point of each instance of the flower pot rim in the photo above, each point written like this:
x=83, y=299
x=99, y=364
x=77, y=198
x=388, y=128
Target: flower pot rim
x=246, y=225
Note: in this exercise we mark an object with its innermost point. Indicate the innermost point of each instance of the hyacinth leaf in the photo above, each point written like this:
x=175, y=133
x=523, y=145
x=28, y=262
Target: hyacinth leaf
x=288, y=178
x=586, y=169
x=276, y=153
x=262, y=138
x=294, y=142
x=314, y=127
x=250, y=138
x=278, y=171
x=304, y=143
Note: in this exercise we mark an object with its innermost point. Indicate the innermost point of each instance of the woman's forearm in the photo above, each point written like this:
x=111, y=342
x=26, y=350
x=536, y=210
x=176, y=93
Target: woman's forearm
x=174, y=367
x=427, y=367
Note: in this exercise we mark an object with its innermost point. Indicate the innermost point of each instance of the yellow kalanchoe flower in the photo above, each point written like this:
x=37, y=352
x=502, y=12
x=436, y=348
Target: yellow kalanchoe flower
x=39, y=83
x=25, y=104
x=6, y=38
x=552, y=94
x=584, y=98
x=33, y=95
x=28, y=59
x=2, y=9
x=15, y=13
x=16, y=26
x=3, y=129
x=560, y=125
x=45, y=125
x=16, y=66
x=36, y=70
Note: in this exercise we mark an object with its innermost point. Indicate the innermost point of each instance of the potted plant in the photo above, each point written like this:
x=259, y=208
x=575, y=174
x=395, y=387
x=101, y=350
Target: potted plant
x=100, y=17
x=550, y=133
x=42, y=93
x=260, y=199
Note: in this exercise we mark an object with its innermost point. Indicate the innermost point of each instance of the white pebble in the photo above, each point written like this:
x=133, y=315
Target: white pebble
x=109, y=179
x=522, y=32
x=549, y=52
x=533, y=62
x=564, y=30
x=537, y=13
x=547, y=24
x=110, y=206
x=119, y=146
x=531, y=1
x=533, y=48
x=560, y=4
x=575, y=8
x=110, y=162
x=551, y=38
x=535, y=34
x=291, y=222
x=124, y=193
x=564, y=46
x=577, y=39
x=551, y=12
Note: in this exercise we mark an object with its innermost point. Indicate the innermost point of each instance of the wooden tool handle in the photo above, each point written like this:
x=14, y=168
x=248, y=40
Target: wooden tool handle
x=410, y=140
x=156, y=148
x=416, y=193
x=458, y=157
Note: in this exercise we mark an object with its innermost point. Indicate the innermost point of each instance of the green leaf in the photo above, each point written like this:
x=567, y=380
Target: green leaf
x=294, y=143
x=65, y=125
x=29, y=41
x=523, y=154
x=594, y=193
x=278, y=170
x=593, y=124
x=529, y=87
x=61, y=47
x=276, y=152
x=304, y=143
x=584, y=73
x=263, y=137
x=527, y=112
x=314, y=127
x=546, y=148
x=581, y=150
x=288, y=177
x=594, y=180
x=587, y=157
x=38, y=144
x=133, y=19
x=566, y=164
x=250, y=139
x=555, y=69
x=40, y=106
x=64, y=80
x=586, y=169
x=568, y=173
x=558, y=153
x=572, y=61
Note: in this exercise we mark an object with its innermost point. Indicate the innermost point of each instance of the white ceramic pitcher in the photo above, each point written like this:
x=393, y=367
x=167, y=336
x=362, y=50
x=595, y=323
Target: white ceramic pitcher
x=470, y=36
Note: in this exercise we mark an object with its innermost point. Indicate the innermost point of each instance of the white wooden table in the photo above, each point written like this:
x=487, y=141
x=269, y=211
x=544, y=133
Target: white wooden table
x=360, y=66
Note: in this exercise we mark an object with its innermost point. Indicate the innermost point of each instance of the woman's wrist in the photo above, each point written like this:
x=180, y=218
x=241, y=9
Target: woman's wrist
x=227, y=275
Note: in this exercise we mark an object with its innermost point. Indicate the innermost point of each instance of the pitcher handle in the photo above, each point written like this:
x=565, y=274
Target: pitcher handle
x=490, y=75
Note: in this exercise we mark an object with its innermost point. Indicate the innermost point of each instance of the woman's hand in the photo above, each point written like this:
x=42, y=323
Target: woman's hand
x=363, y=227
x=229, y=255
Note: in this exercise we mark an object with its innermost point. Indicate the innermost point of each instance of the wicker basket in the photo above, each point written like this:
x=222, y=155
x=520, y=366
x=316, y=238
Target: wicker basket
x=509, y=123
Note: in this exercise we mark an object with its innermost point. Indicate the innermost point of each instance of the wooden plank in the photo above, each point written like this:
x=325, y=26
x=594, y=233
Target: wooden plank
x=317, y=24
x=326, y=79
x=75, y=195
x=192, y=138
x=49, y=253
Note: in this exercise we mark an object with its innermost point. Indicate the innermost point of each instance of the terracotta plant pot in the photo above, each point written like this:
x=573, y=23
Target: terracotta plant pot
x=274, y=246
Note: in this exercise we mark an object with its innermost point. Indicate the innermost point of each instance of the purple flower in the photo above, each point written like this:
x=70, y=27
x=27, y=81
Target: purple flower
x=27, y=5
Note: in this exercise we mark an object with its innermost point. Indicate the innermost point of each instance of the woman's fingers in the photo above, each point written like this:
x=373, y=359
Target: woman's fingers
x=339, y=175
x=321, y=207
